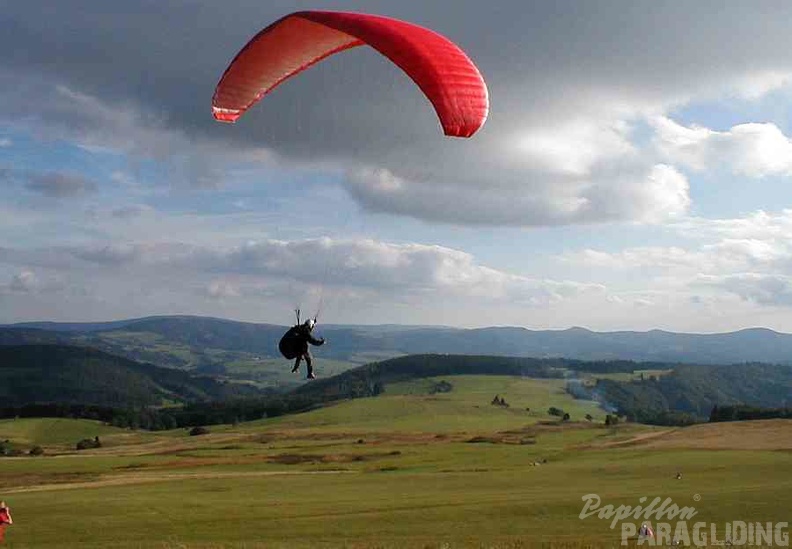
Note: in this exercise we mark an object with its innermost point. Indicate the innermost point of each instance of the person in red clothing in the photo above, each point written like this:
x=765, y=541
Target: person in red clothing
x=5, y=519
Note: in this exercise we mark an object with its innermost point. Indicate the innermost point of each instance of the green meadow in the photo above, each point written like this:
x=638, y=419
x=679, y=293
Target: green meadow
x=409, y=468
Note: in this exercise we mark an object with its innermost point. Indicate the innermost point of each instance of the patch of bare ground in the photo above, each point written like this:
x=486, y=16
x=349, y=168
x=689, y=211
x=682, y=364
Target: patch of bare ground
x=288, y=459
x=16, y=479
x=501, y=438
x=529, y=433
x=625, y=441
x=192, y=462
x=152, y=477
x=769, y=434
x=163, y=446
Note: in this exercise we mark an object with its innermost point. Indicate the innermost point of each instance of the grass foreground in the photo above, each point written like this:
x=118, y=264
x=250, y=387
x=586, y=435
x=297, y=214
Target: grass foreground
x=406, y=469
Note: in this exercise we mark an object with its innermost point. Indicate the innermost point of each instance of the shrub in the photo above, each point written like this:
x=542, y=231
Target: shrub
x=88, y=443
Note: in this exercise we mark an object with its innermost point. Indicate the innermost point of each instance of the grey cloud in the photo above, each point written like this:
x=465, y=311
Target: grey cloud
x=120, y=126
x=52, y=184
x=390, y=268
x=60, y=185
x=363, y=264
x=763, y=289
x=25, y=281
x=131, y=211
x=126, y=80
x=110, y=255
x=646, y=193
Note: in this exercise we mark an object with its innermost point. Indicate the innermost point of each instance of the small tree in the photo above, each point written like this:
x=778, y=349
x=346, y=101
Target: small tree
x=88, y=443
x=197, y=431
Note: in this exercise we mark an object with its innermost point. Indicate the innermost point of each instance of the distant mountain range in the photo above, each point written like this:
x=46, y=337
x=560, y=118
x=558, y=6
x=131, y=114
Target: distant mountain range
x=205, y=344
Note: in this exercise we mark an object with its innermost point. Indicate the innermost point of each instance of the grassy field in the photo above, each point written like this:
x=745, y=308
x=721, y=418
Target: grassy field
x=404, y=470
x=276, y=372
x=635, y=375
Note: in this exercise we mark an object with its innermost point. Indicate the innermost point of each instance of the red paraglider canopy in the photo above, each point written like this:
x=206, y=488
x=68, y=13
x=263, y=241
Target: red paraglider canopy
x=444, y=73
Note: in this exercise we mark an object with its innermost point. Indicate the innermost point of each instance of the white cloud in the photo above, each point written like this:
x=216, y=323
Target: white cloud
x=752, y=149
x=634, y=258
x=746, y=253
x=759, y=150
x=645, y=194
x=24, y=281
x=748, y=258
x=223, y=289
x=384, y=266
x=686, y=145
x=132, y=130
x=5, y=142
x=728, y=255
x=763, y=289
x=575, y=146
x=754, y=86
x=655, y=196
x=390, y=271
x=759, y=225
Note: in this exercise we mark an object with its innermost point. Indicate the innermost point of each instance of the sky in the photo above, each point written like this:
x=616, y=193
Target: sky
x=634, y=173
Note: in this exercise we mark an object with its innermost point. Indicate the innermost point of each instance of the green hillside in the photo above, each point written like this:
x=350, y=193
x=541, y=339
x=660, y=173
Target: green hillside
x=411, y=468
x=412, y=406
x=79, y=375
x=52, y=432
x=695, y=390
x=371, y=379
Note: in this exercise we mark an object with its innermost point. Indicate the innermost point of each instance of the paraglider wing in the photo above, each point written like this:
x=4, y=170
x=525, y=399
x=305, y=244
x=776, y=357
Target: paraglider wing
x=444, y=73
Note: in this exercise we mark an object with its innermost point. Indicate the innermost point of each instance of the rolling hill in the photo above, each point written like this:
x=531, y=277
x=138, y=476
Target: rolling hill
x=81, y=376
x=695, y=390
x=35, y=374
x=205, y=344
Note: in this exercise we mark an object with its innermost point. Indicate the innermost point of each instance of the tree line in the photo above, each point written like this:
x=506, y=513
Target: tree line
x=690, y=392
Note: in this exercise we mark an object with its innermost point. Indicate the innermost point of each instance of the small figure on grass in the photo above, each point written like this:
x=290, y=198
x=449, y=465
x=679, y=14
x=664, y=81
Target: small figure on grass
x=5, y=519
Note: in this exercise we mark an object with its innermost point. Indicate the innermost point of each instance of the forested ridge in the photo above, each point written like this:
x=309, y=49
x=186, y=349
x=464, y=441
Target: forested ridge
x=69, y=381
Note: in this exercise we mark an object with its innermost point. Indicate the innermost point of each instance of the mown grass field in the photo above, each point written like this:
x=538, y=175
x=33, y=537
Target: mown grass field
x=406, y=469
